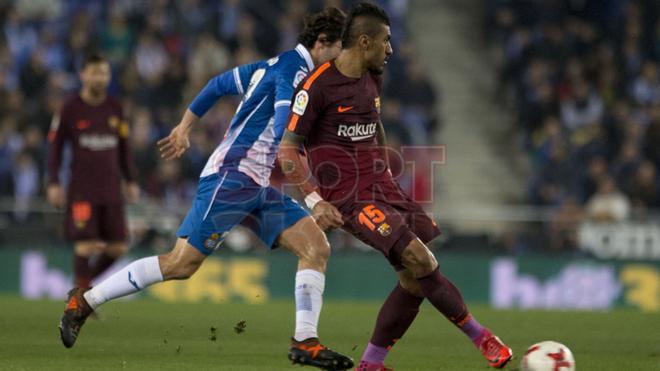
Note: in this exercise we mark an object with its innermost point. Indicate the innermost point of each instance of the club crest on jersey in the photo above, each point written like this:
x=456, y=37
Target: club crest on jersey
x=113, y=122
x=300, y=75
x=384, y=229
x=377, y=104
x=300, y=103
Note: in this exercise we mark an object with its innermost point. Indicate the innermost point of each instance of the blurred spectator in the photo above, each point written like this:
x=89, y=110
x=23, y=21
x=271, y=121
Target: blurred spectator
x=418, y=99
x=564, y=226
x=150, y=58
x=646, y=87
x=208, y=57
x=608, y=204
x=597, y=170
x=26, y=184
x=556, y=178
x=117, y=39
x=593, y=65
x=584, y=107
x=645, y=187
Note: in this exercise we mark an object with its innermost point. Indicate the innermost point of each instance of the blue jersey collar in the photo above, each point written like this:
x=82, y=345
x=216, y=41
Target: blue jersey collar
x=300, y=48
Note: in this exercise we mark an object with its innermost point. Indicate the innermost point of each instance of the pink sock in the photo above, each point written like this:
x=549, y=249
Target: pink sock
x=473, y=329
x=374, y=354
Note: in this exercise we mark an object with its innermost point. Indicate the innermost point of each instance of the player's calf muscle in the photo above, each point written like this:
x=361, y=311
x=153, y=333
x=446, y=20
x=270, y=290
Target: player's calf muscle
x=174, y=268
x=180, y=263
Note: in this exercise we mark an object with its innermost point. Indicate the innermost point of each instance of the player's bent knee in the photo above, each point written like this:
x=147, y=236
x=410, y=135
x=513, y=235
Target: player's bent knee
x=418, y=259
x=313, y=255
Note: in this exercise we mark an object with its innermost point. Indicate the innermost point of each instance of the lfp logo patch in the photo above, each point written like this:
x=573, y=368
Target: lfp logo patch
x=300, y=104
x=300, y=75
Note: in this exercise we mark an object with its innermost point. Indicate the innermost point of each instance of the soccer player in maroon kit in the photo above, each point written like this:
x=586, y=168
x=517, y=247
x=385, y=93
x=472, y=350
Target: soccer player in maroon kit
x=93, y=124
x=335, y=115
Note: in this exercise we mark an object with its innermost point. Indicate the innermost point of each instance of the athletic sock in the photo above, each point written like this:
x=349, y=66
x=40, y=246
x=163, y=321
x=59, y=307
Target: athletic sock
x=394, y=318
x=473, y=329
x=444, y=296
x=102, y=262
x=309, y=300
x=81, y=271
x=375, y=354
x=132, y=278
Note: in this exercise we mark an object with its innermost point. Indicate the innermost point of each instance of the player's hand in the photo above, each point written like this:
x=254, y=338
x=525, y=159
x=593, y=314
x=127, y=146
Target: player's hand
x=132, y=192
x=327, y=216
x=175, y=144
x=56, y=195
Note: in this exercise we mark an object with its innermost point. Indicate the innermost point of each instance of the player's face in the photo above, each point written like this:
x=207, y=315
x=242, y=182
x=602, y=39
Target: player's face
x=96, y=77
x=379, y=51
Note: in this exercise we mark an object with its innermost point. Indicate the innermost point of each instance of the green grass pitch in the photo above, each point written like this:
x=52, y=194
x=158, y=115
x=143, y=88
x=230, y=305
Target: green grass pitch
x=150, y=335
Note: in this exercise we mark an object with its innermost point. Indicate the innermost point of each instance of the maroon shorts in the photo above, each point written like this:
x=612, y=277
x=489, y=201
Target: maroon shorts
x=88, y=221
x=387, y=219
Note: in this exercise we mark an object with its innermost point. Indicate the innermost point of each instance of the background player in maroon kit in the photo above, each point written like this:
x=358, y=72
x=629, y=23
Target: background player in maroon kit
x=335, y=114
x=93, y=124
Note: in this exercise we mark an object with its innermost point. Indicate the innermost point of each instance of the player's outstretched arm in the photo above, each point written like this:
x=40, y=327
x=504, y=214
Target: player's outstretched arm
x=326, y=215
x=232, y=82
x=228, y=83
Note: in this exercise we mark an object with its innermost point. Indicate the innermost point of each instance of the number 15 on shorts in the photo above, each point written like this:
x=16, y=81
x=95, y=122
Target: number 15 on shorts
x=374, y=219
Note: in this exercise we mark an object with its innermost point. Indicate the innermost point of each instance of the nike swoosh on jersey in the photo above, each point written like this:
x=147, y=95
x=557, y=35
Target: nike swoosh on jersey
x=342, y=109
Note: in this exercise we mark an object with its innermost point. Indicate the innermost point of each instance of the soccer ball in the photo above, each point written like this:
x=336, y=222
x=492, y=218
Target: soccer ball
x=548, y=356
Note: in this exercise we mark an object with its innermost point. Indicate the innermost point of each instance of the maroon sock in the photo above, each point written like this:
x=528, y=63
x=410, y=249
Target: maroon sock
x=444, y=296
x=101, y=263
x=395, y=317
x=81, y=271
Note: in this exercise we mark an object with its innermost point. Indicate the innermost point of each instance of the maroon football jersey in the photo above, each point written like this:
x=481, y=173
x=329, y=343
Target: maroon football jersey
x=98, y=136
x=339, y=118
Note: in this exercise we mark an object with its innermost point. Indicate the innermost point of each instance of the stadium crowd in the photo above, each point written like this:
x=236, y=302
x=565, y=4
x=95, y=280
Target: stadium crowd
x=586, y=88
x=162, y=52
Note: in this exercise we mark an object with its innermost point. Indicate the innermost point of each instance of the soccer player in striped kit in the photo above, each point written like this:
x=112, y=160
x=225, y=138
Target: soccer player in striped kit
x=234, y=189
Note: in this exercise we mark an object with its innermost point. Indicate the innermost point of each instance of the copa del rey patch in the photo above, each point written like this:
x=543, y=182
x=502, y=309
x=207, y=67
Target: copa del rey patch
x=300, y=102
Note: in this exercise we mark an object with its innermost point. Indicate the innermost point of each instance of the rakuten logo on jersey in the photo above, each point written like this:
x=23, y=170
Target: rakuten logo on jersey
x=357, y=131
x=98, y=142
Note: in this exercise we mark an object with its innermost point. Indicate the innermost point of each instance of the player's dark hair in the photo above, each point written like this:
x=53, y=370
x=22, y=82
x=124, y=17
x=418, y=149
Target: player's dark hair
x=363, y=19
x=328, y=22
x=93, y=58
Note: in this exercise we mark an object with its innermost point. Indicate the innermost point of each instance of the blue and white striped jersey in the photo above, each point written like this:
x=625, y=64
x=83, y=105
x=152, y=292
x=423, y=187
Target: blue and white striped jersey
x=254, y=135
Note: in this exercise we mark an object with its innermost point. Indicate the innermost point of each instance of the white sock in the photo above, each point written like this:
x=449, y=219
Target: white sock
x=132, y=278
x=309, y=300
